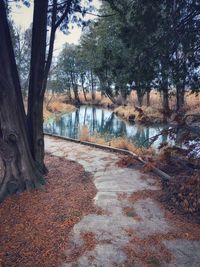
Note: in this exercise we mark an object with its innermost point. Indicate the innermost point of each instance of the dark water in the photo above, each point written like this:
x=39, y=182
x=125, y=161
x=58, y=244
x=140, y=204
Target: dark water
x=104, y=123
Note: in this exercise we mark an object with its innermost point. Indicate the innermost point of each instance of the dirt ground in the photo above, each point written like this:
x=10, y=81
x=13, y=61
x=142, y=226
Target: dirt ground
x=34, y=226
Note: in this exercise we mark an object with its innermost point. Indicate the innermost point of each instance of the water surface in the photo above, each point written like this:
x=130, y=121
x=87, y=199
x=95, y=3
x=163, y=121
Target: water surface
x=104, y=123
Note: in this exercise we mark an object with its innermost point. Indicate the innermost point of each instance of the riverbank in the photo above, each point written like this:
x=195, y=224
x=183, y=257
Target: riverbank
x=55, y=105
x=152, y=114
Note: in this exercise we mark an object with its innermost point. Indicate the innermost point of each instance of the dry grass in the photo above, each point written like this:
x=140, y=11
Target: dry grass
x=84, y=134
x=192, y=100
x=192, y=103
x=55, y=104
x=151, y=114
x=99, y=100
x=121, y=143
x=155, y=99
x=126, y=112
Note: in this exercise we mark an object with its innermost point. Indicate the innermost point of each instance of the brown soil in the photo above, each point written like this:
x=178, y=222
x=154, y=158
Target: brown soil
x=35, y=225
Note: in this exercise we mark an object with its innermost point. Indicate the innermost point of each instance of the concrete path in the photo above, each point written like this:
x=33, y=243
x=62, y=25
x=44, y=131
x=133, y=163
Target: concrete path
x=112, y=228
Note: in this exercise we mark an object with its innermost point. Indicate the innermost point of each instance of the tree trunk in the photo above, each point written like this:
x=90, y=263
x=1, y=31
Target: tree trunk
x=75, y=88
x=165, y=99
x=69, y=94
x=140, y=98
x=148, y=98
x=84, y=93
x=92, y=87
x=83, y=88
x=179, y=97
x=36, y=84
x=20, y=171
x=166, y=108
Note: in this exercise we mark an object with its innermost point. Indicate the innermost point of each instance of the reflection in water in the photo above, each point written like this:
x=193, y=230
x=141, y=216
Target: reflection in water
x=104, y=123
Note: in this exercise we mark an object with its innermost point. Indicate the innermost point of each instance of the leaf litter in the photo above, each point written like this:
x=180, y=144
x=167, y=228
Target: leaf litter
x=34, y=226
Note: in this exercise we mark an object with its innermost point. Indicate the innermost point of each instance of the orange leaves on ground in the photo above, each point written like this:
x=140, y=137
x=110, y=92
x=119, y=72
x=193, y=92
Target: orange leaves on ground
x=35, y=225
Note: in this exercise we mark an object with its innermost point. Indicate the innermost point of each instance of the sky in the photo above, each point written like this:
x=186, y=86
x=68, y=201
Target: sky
x=22, y=16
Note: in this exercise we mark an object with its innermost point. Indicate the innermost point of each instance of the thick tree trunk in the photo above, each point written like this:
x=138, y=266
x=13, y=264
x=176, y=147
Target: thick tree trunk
x=20, y=170
x=36, y=84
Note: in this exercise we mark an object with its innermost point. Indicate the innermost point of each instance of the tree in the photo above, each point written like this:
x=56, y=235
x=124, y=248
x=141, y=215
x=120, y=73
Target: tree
x=22, y=48
x=20, y=170
x=68, y=69
x=163, y=42
x=60, y=15
x=21, y=138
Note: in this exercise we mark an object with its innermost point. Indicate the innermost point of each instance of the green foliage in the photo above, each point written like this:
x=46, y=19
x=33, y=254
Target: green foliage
x=156, y=44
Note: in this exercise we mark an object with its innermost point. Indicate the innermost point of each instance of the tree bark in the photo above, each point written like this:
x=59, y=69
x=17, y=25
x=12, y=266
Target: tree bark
x=92, y=86
x=75, y=88
x=83, y=88
x=166, y=108
x=69, y=93
x=39, y=71
x=20, y=170
x=148, y=98
x=36, y=84
x=180, y=92
x=165, y=99
x=140, y=98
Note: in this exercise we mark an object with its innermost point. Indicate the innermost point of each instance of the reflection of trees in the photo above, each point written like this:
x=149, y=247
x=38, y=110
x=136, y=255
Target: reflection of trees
x=85, y=114
x=76, y=124
x=108, y=124
x=102, y=122
x=141, y=137
x=66, y=125
x=94, y=120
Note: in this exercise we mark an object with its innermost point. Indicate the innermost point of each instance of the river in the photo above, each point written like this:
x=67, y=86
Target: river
x=104, y=123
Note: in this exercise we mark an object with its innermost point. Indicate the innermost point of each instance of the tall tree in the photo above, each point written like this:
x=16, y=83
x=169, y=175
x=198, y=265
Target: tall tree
x=21, y=138
x=60, y=14
x=20, y=171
